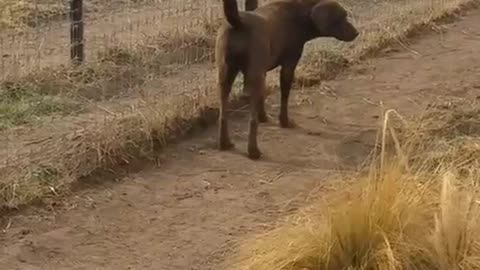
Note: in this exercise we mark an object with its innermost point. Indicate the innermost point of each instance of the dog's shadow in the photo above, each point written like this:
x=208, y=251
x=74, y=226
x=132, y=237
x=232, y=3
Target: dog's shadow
x=351, y=146
x=347, y=145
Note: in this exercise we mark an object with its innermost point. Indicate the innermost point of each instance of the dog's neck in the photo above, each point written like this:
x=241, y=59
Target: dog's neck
x=312, y=33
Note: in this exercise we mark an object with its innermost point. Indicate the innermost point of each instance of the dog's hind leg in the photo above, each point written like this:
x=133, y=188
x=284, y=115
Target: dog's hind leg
x=246, y=97
x=255, y=84
x=262, y=115
x=226, y=77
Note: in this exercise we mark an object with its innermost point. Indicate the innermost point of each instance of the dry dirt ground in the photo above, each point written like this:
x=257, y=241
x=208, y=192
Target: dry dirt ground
x=188, y=213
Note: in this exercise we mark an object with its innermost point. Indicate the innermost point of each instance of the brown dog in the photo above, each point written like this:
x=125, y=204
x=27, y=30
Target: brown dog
x=258, y=41
x=251, y=5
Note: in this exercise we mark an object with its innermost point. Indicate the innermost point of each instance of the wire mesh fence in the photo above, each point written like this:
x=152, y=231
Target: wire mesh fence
x=48, y=44
x=35, y=33
x=146, y=64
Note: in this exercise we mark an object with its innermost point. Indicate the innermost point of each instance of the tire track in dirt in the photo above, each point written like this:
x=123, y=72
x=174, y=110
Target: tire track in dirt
x=187, y=213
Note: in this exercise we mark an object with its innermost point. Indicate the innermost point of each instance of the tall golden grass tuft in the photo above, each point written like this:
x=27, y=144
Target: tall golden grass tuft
x=456, y=243
x=411, y=212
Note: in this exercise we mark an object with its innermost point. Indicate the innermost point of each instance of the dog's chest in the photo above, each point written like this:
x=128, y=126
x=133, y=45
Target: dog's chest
x=285, y=55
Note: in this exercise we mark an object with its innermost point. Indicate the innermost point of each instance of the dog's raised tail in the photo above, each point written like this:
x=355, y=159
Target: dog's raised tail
x=230, y=9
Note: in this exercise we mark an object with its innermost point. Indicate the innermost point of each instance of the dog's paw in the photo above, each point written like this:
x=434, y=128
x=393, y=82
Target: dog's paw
x=287, y=123
x=254, y=153
x=226, y=145
x=263, y=118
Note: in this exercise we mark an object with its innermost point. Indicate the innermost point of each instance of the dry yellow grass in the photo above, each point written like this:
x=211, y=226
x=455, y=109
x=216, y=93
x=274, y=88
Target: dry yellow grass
x=18, y=14
x=117, y=71
x=67, y=155
x=414, y=209
x=21, y=14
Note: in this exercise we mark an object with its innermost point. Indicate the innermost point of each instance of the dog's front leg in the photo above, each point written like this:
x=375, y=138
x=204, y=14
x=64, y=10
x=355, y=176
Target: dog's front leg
x=226, y=76
x=286, y=79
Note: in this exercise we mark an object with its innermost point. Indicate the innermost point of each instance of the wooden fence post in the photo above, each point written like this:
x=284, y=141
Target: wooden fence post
x=77, y=54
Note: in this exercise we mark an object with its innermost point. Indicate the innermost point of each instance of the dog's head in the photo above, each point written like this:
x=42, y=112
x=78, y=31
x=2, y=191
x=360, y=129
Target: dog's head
x=330, y=20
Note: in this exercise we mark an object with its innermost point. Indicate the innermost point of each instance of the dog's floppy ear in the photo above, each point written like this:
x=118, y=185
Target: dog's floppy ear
x=326, y=13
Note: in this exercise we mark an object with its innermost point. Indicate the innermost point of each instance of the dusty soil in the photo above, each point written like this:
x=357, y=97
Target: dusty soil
x=189, y=212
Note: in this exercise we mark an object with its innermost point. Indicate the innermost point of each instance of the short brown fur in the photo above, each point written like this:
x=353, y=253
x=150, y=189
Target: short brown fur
x=263, y=38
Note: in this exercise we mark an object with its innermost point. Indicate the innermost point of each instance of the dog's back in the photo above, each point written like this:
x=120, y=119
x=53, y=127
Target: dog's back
x=273, y=26
x=236, y=43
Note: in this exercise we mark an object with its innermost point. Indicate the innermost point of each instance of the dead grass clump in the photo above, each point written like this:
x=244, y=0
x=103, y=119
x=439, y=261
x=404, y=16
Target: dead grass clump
x=444, y=138
x=363, y=233
x=64, y=91
x=210, y=26
x=321, y=65
x=119, y=71
x=20, y=14
x=399, y=216
x=404, y=20
x=181, y=48
x=23, y=102
x=63, y=158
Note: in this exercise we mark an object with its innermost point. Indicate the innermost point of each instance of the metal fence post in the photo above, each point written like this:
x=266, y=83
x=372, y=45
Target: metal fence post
x=77, y=54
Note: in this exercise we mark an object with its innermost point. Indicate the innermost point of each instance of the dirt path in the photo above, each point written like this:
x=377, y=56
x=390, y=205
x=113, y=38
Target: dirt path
x=187, y=213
